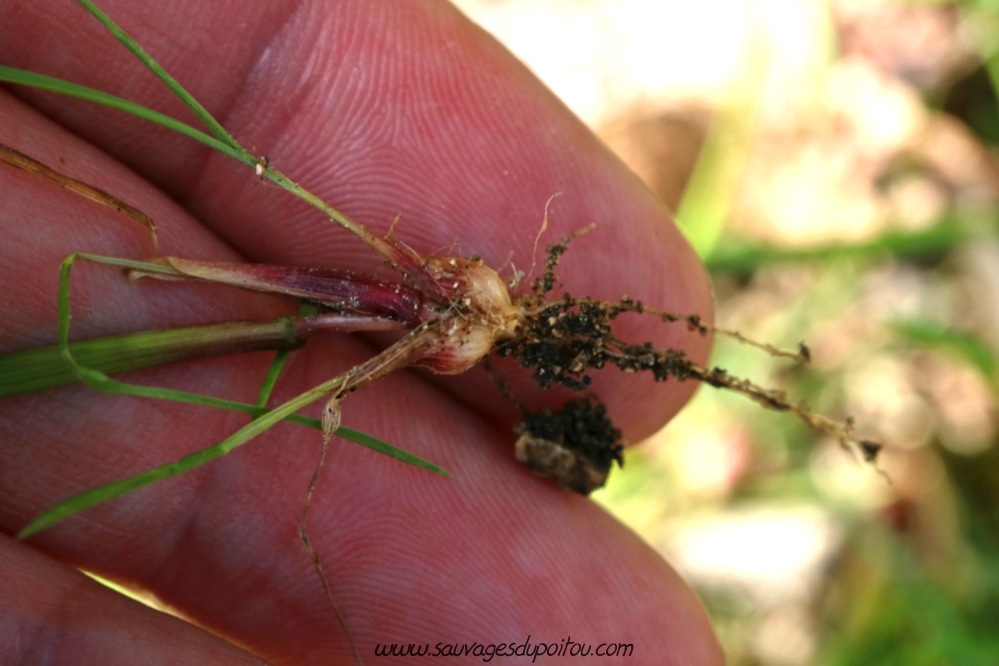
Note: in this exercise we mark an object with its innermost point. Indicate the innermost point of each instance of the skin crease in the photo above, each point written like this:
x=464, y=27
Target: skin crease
x=380, y=107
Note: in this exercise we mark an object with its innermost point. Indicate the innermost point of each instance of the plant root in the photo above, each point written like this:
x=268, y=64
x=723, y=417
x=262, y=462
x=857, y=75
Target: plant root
x=559, y=340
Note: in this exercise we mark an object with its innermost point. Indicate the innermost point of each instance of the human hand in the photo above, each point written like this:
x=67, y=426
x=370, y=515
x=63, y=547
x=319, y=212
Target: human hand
x=381, y=108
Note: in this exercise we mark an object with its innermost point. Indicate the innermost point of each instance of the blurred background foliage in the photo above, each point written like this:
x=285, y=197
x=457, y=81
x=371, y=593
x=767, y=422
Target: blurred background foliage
x=835, y=164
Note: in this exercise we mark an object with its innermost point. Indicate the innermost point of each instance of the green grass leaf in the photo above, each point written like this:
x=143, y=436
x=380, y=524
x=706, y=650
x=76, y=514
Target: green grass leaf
x=48, y=83
x=968, y=346
x=194, y=105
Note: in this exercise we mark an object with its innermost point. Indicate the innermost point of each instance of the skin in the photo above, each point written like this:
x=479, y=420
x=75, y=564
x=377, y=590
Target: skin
x=381, y=108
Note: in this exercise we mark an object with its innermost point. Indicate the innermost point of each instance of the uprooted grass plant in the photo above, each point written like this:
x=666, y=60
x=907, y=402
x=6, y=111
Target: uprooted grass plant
x=455, y=312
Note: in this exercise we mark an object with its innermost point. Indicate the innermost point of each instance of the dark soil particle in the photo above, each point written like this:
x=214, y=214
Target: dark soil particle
x=576, y=446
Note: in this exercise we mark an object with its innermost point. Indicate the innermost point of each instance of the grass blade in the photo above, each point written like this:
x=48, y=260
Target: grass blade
x=740, y=257
x=222, y=140
x=270, y=381
x=48, y=83
x=45, y=367
x=109, y=491
x=194, y=105
x=972, y=348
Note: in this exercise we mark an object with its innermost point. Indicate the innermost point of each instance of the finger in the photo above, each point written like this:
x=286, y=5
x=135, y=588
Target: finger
x=386, y=108
x=496, y=554
x=219, y=546
x=52, y=614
